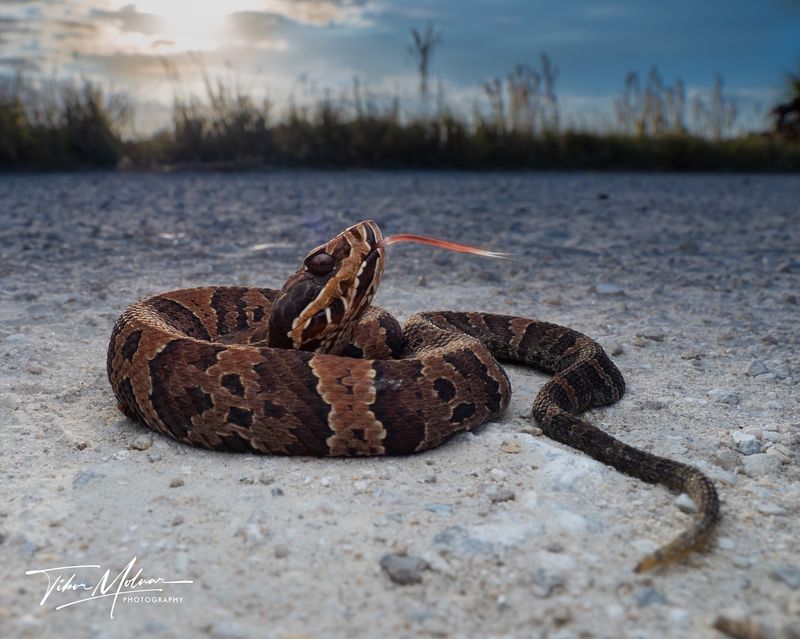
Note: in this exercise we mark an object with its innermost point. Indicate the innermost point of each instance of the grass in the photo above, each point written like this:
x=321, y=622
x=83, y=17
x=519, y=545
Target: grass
x=68, y=126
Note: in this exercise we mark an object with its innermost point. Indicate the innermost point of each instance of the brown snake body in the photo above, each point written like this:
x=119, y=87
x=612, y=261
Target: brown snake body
x=314, y=370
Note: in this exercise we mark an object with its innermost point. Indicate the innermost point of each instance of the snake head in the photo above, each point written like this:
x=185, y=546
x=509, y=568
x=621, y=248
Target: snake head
x=319, y=307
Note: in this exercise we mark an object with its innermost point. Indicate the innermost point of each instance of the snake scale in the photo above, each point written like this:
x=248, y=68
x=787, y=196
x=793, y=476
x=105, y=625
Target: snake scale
x=313, y=369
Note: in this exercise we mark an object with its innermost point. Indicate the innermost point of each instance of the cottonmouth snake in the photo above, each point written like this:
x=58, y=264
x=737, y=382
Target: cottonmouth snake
x=314, y=370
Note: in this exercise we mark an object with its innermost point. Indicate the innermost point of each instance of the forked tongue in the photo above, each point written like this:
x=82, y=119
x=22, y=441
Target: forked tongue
x=450, y=246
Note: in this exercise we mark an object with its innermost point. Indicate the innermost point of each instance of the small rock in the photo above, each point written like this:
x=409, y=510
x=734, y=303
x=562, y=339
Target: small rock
x=545, y=582
x=281, y=551
x=84, y=477
x=511, y=447
x=766, y=377
x=788, y=298
x=142, y=442
x=756, y=367
x=771, y=435
x=176, y=482
x=266, y=478
x=723, y=396
x=360, y=486
x=605, y=288
x=727, y=459
x=497, y=474
x=9, y=401
x=531, y=430
x=499, y=493
x=651, y=404
x=745, y=443
x=691, y=354
x=726, y=543
x=613, y=348
x=276, y=492
x=430, y=479
x=685, y=504
x=154, y=455
x=788, y=574
x=768, y=508
x=652, y=333
x=177, y=520
x=648, y=596
x=760, y=464
x=403, y=569
x=440, y=509
x=81, y=445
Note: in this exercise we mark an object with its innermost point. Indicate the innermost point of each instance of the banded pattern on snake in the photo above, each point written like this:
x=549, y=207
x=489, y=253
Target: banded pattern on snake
x=313, y=369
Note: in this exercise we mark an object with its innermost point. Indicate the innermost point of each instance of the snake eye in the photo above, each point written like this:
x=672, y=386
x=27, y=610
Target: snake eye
x=320, y=263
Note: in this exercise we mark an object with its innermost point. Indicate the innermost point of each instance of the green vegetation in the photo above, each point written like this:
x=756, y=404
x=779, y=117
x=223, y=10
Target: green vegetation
x=67, y=126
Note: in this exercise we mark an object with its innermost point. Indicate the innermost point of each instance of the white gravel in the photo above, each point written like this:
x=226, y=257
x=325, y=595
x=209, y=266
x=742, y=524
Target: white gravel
x=691, y=281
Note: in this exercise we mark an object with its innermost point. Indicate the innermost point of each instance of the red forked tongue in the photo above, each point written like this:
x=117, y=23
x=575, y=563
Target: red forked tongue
x=450, y=246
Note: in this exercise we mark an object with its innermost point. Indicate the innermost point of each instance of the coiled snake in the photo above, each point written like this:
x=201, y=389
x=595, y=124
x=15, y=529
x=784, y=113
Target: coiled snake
x=313, y=369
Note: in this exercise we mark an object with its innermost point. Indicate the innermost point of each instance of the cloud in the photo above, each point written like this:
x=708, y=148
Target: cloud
x=323, y=12
x=255, y=26
x=129, y=20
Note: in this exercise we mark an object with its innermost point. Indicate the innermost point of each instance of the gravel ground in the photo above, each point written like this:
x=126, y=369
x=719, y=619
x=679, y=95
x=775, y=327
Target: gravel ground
x=691, y=282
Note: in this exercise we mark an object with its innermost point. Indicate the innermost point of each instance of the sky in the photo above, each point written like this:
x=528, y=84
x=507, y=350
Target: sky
x=279, y=49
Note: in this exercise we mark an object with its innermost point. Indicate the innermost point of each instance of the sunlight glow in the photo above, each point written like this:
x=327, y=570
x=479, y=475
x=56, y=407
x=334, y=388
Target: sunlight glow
x=190, y=25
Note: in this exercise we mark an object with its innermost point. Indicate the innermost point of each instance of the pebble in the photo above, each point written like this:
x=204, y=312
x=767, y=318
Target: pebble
x=142, y=442
x=652, y=333
x=176, y=482
x=430, y=479
x=84, y=477
x=511, y=447
x=755, y=368
x=499, y=493
x=266, y=478
x=606, y=288
x=497, y=474
x=760, y=464
x=787, y=574
x=648, y=596
x=10, y=401
x=746, y=443
x=458, y=541
x=769, y=508
x=723, y=396
x=545, y=582
x=766, y=377
x=404, y=569
x=440, y=509
x=728, y=459
x=685, y=504
x=770, y=435
x=281, y=551
x=651, y=404
x=726, y=543
x=690, y=354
